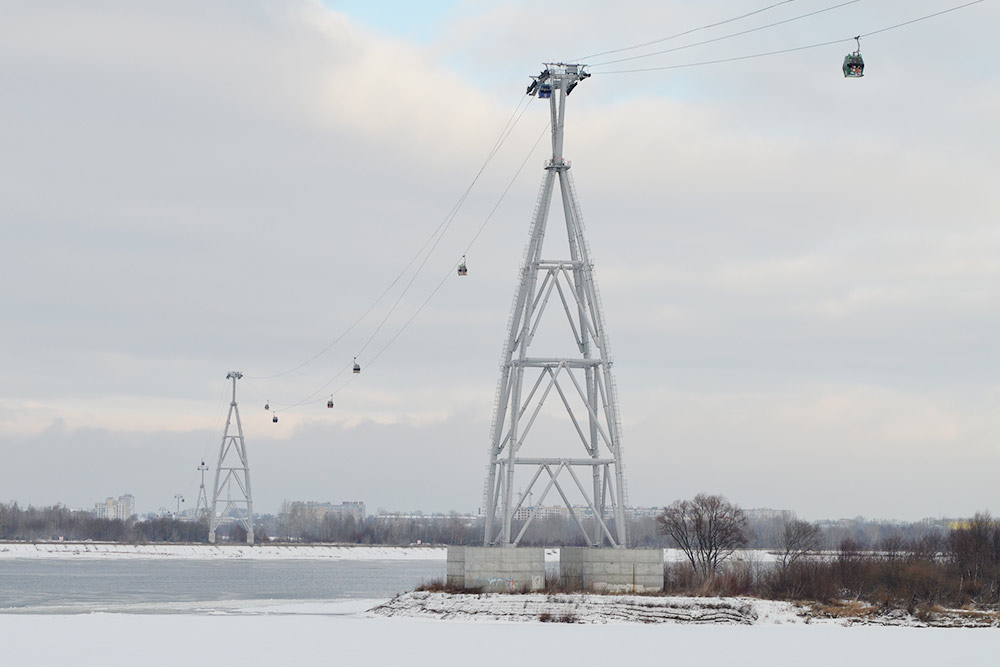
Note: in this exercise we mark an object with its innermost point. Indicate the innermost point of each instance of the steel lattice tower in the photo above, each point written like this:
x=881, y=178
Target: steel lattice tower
x=583, y=382
x=201, y=508
x=233, y=462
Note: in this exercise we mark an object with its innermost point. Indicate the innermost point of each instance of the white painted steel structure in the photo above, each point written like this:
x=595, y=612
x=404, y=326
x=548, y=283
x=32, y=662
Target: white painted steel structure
x=232, y=467
x=582, y=381
x=201, y=507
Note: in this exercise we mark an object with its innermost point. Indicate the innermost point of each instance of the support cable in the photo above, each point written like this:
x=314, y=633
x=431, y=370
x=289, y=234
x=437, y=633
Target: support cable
x=681, y=34
x=501, y=138
x=440, y=236
x=922, y=18
x=729, y=36
x=796, y=48
x=426, y=301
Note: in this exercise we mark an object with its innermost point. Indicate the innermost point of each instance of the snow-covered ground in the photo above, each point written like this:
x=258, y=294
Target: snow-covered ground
x=211, y=551
x=580, y=608
x=341, y=633
x=612, y=609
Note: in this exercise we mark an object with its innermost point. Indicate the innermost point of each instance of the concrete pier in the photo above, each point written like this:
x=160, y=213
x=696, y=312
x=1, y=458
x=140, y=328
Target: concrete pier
x=613, y=570
x=494, y=569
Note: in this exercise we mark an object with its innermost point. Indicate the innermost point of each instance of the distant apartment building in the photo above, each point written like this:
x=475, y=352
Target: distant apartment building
x=319, y=511
x=121, y=509
x=643, y=512
x=768, y=514
x=562, y=511
x=389, y=517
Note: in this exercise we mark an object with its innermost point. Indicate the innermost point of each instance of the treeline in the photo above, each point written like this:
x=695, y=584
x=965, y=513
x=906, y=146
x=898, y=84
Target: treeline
x=920, y=572
x=955, y=569
x=296, y=526
x=767, y=533
x=55, y=522
x=59, y=523
x=554, y=531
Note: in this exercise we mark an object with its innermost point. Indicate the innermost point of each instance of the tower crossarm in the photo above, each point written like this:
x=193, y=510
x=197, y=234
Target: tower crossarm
x=551, y=362
x=530, y=461
x=559, y=264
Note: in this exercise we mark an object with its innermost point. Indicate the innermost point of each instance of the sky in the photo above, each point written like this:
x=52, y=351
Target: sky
x=799, y=271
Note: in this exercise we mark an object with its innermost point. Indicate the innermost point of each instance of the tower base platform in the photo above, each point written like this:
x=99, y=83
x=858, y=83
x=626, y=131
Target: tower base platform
x=495, y=569
x=611, y=570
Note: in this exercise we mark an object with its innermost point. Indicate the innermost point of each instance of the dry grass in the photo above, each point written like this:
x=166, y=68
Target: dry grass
x=843, y=609
x=441, y=586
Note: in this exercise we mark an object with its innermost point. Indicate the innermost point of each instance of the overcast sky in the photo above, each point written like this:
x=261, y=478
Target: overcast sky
x=800, y=272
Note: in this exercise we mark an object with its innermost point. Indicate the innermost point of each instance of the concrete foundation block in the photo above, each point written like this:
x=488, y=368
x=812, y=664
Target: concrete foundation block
x=494, y=569
x=616, y=570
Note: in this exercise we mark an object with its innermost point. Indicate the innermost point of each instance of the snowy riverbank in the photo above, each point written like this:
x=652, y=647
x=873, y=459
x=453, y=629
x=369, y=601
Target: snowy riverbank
x=616, y=609
x=220, y=551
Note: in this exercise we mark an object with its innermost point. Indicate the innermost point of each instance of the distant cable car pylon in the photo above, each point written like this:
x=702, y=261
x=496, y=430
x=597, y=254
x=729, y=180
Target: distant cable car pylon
x=201, y=507
x=232, y=460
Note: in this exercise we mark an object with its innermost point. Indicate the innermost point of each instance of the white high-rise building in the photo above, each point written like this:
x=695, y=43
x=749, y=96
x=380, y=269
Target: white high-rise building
x=121, y=509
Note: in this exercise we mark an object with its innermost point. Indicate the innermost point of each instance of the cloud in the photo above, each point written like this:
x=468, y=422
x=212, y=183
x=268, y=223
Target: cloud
x=187, y=189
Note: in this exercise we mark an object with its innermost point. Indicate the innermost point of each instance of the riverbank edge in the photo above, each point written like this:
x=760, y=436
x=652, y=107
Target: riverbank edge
x=587, y=608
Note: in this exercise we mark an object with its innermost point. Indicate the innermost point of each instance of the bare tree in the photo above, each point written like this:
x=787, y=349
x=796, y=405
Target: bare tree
x=797, y=539
x=975, y=548
x=708, y=530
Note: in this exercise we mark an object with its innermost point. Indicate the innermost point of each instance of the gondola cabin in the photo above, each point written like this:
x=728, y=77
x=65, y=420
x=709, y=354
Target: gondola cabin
x=275, y=419
x=854, y=66
x=462, y=269
x=329, y=403
x=545, y=90
x=357, y=367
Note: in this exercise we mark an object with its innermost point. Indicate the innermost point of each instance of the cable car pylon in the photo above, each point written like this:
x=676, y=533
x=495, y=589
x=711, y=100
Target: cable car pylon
x=582, y=380
x=232, y=467
x=201, y=507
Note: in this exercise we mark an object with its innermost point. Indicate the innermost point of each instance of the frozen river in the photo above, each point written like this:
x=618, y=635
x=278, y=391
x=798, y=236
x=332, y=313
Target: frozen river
x=67, y=585
x=169, y=611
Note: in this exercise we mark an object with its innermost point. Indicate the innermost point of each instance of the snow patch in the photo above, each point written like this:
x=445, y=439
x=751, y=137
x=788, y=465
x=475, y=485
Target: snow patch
x=575, y=608
x=217, y=551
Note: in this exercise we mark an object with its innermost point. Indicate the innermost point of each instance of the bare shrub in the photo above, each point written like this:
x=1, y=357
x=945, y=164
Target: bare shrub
x=796, y=540
x=441, y=586
x=803, y=580
x=565, y=617
x=732, y=581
